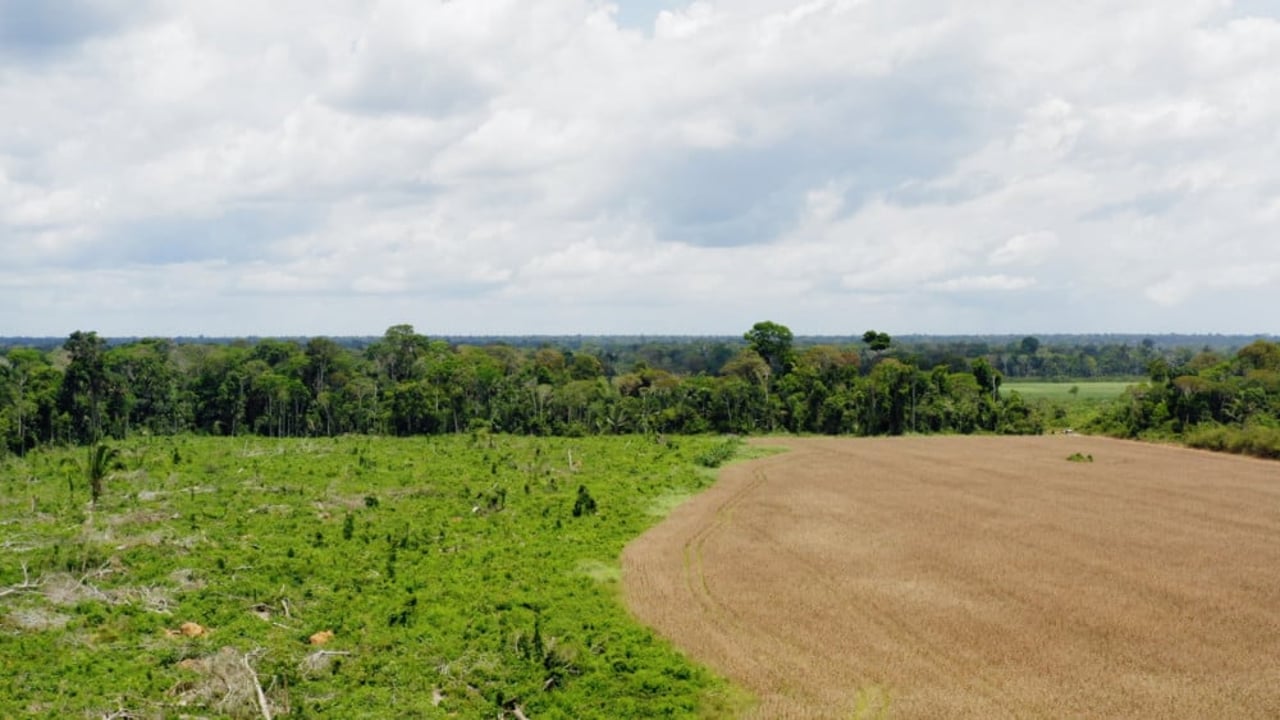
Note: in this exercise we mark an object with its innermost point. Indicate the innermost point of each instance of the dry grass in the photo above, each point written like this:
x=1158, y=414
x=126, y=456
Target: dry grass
x=978, y=578
x=66, y=590
x=224, y=681
x=37, y=619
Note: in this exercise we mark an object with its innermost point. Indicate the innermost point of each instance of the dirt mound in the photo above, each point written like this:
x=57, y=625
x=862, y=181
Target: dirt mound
x=977, y=578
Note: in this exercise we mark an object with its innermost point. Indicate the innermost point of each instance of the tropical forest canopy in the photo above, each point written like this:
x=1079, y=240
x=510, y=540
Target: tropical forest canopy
x=404, y=383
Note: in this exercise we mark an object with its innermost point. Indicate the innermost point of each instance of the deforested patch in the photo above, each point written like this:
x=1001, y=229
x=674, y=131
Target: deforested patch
x=976, y=577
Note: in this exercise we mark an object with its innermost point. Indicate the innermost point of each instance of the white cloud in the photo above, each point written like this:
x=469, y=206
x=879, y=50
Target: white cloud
x=682, y=24
x=1180, y=285
x=971, y=283
x=494, y=166
x=1026, y=249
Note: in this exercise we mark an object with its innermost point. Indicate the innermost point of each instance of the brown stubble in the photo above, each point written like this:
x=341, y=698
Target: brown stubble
x=982, y=577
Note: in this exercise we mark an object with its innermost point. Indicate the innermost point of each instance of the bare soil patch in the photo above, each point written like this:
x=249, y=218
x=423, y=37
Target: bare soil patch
x=966, y=577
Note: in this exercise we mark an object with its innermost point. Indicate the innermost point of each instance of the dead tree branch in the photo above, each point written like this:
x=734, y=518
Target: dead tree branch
x=25, y=586
x=257, y=686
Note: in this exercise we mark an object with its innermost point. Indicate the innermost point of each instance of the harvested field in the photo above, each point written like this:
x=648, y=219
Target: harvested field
x=960, y=577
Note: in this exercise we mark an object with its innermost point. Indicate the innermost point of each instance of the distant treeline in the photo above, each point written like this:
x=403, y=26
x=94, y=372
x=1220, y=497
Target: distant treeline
x=405, y=383
x=1046, y=357
x=1217, y=401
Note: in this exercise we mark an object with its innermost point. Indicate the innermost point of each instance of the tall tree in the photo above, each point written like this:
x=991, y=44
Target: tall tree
x=27, y=382
x=398, y=351
x=146, y=394
x=327, y=373
x=877, y=342
x=85, y=385
x=988, y=377
x=772, y=342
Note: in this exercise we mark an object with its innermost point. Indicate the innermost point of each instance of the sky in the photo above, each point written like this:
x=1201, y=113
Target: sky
x=476, y=167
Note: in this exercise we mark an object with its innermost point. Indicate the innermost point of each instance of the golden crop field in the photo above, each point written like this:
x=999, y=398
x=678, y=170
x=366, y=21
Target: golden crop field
x=961, y=577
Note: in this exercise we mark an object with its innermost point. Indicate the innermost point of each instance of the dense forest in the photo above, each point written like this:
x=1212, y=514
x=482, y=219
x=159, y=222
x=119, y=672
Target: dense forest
x=1218, y=401
x=405, y=383
x=1049, y=357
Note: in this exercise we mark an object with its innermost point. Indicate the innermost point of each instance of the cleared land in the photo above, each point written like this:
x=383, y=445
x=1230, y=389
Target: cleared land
x=1084, y=390
x=977, y=577
x=350, y=577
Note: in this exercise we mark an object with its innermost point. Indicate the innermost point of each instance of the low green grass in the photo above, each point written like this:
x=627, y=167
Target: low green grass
x=1068, y=391
x=453, y=573
x=1068, y=404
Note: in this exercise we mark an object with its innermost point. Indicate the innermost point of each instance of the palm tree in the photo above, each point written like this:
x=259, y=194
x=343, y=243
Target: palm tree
x=102, y=460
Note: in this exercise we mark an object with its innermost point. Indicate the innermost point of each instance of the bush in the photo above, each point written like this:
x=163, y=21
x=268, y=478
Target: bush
x=1256, y=440
x=720, y=453
x=584, y=504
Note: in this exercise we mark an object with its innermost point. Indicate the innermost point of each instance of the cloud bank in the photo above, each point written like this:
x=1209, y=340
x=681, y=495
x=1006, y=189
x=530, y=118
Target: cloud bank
x=576, y=166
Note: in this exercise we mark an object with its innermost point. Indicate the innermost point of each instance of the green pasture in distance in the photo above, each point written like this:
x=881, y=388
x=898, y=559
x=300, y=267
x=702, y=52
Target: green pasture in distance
x=1083, y=390
x=1068, y=404
x=468, y=576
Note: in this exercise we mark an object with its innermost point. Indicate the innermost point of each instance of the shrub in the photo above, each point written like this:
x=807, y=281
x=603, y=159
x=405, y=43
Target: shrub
x=584, y=504
x=720, y=453
x=1256, y=440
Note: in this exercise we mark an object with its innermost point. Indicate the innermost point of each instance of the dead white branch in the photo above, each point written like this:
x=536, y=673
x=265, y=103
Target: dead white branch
x=319, y=661
x=93, y=589
x=257, y=686
x=25, y=586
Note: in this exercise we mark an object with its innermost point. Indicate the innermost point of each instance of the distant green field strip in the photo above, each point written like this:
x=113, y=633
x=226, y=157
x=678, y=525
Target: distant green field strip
x=1107, y=390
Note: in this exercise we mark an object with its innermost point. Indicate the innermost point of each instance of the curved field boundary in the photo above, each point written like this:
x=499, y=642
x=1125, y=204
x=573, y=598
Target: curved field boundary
x=982, y=577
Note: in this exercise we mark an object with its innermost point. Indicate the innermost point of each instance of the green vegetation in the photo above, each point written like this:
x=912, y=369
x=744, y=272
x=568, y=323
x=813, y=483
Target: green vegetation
x=1080, y=458
x=473, y=575
x=873, y=703
x=1253, y=439
x=1070, y=404
x=407, y=384
x=720, y=453
x=1214, y=401
x=193, y=527
x=1079, y=391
